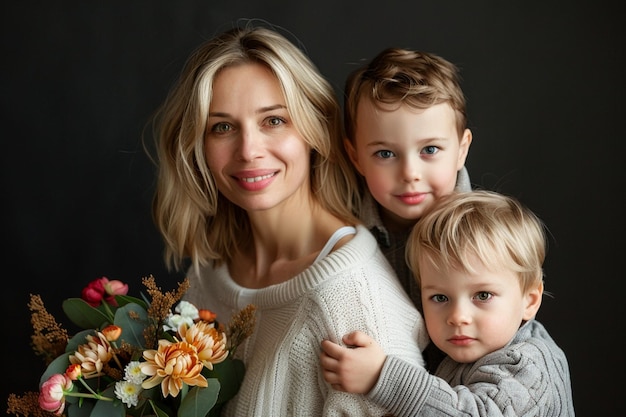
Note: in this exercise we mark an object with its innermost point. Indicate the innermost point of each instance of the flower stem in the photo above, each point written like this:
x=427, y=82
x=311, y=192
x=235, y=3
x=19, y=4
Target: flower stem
x=92, y=395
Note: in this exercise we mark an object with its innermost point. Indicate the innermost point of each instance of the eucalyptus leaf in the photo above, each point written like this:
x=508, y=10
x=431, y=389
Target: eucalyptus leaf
x=82, y=410
x=159, y=412
x=122, y=300
x=78, y=339
x=133, y=319
x=57, y=366
x=200, y=400
x=83, y=315
x=159, y=409
x=104, y=408
x=230, y=374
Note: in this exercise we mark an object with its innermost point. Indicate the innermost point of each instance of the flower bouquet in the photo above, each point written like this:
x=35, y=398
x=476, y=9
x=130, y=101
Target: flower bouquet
x=135, y=357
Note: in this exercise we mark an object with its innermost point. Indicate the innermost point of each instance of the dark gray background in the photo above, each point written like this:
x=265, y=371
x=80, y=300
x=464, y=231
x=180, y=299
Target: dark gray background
x=545, y=89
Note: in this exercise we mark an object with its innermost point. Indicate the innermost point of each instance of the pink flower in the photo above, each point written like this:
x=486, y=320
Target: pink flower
x=113, y=288
x=52, y=393
x=103, y=288
x=94, y=292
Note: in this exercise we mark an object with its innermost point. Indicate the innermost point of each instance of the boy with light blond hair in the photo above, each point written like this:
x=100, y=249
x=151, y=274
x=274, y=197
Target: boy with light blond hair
x=478, y=259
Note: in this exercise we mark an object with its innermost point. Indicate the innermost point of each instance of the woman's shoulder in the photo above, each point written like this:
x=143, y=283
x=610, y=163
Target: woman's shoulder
x=361, y=253
x=205, y=281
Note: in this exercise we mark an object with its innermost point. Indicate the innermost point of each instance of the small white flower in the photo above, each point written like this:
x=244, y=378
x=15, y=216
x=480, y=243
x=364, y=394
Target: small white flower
x=174, y=320
x=186, y=309
x=128, y=392
x=133, y=373
x=187, y=313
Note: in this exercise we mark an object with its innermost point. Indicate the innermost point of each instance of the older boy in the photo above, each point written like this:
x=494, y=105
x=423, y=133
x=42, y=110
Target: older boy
x=407, y=136
x=405, y=122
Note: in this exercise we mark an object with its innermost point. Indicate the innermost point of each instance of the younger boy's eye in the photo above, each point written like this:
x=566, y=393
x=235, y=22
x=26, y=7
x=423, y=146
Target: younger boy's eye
x=483, y=296
x=430, y=150
x=384, y=154
x=439, y=298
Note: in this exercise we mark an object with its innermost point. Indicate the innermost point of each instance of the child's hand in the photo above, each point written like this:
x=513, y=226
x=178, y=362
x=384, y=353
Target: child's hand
x=354, y=369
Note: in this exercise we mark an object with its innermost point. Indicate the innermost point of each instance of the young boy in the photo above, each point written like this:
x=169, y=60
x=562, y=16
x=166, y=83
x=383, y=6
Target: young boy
x=407, y=136
x=478, y=259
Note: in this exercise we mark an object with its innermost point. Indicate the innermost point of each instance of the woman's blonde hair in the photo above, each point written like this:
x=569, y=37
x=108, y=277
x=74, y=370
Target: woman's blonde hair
x=480, y=225
x=196, y=221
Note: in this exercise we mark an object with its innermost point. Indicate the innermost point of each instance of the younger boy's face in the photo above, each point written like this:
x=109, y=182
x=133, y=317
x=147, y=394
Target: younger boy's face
x=469, y=315
x=409, y=157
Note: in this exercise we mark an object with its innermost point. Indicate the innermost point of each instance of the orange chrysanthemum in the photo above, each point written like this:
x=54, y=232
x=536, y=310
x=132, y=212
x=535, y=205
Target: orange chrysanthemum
x=171, y=365
x=92, y=355
x=210, y=343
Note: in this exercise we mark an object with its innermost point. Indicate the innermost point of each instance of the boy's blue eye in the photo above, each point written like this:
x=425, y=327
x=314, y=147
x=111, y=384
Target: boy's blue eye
x=384, y=154
x=430, y=150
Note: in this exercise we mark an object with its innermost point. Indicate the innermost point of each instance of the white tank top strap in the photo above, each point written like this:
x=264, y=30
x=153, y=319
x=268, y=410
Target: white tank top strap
x=336, y=237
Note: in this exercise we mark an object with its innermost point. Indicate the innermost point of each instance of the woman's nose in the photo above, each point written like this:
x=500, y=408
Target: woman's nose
x=250, y=144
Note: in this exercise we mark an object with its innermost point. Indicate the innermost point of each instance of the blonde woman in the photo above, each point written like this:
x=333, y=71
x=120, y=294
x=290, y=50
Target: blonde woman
x=255, y=191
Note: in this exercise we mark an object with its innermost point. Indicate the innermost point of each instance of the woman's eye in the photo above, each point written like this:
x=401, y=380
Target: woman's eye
x=430, y=150
x=275, y=121
x=384, y=154
x=221, y=127
x=483, y=296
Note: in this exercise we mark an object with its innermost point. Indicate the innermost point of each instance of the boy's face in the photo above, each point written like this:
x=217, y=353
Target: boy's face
x=409, y=157
x=469, y=315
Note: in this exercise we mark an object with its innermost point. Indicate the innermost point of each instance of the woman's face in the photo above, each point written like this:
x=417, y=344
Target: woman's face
x=254, y=151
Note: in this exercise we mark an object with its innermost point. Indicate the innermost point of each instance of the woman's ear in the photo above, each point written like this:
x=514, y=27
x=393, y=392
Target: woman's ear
x=532, y=300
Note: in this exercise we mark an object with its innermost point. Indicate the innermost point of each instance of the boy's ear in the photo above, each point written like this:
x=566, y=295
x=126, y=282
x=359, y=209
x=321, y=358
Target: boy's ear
x=352, y=153
x=532, y=300
x=464, y=145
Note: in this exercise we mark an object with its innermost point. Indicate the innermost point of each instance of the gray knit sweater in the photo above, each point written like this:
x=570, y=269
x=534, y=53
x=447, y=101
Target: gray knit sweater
x=528, y=377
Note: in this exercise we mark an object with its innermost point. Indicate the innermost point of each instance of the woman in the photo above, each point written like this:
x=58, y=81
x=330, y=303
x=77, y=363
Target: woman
x=255, y=190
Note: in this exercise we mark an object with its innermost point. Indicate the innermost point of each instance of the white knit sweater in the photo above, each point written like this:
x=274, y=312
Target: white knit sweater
x=353, y=288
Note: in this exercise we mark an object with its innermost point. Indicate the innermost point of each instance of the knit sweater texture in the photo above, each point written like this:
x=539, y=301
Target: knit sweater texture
x=353, y=288
x=528, y=377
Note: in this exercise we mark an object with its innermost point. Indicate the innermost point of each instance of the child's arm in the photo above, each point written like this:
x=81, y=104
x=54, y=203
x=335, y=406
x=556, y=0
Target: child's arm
x=353, y=369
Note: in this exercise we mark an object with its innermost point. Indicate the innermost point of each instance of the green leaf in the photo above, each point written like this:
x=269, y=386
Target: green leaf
x=230, y=374
x=82, y=410
x=78, y=339
x=159, y=412
x=57, y=366
x=83, y=315
x=109, y=408
x=199, y=401
x=122, y=300
x=133, y=319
